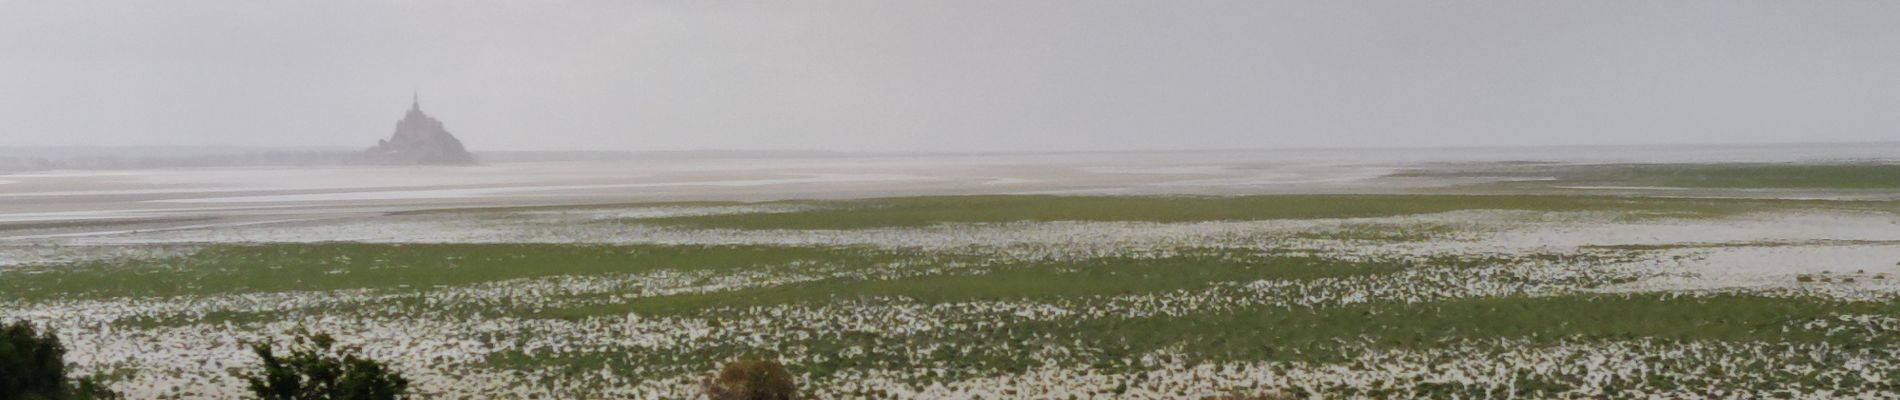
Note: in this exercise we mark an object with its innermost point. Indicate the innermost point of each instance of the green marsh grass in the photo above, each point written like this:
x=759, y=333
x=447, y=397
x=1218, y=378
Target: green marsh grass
x=984, y=342
x=255, y=268
x=922, y=211
x=1311, y=335
x=1706, y=176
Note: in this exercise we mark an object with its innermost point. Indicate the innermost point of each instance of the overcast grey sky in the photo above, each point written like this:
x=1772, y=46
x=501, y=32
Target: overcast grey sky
x=1017, y=75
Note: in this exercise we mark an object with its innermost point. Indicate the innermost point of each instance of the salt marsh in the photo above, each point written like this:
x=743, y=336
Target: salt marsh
x=1346, y=289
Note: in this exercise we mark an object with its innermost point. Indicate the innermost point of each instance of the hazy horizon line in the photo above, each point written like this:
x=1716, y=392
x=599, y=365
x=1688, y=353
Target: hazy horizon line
x=959, y=152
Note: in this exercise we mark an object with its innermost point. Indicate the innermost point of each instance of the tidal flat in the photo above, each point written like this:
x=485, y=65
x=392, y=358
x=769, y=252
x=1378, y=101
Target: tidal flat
x=1489, y=290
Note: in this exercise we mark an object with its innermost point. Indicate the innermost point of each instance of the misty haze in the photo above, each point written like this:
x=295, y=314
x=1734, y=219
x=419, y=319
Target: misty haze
x=959, y=200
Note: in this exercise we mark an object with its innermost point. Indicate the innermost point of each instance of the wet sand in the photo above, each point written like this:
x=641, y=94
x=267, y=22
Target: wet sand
x=175, y=198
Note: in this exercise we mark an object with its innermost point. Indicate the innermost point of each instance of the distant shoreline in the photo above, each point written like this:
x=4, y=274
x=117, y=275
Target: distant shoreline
x=41, y=158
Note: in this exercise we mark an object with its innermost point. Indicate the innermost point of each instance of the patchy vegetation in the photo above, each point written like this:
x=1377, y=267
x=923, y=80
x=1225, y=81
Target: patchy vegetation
x=921, y=211
x=1722, y=176
x=999, y=297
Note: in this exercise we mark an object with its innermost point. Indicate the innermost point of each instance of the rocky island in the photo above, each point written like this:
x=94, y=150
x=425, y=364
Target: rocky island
x=419, y=140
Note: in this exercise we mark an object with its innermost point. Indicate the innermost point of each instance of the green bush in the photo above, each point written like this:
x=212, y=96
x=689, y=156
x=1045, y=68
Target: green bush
x=33, y=367
x=318, y=369
x=751, y=380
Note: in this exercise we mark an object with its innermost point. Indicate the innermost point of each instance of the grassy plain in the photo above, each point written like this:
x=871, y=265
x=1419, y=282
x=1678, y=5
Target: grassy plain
x=921, y=211
x=1706, y=176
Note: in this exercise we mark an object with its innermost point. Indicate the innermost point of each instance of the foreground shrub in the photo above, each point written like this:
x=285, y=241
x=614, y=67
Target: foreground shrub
x=751, y=380
x=33, y=367
x=317, y=369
